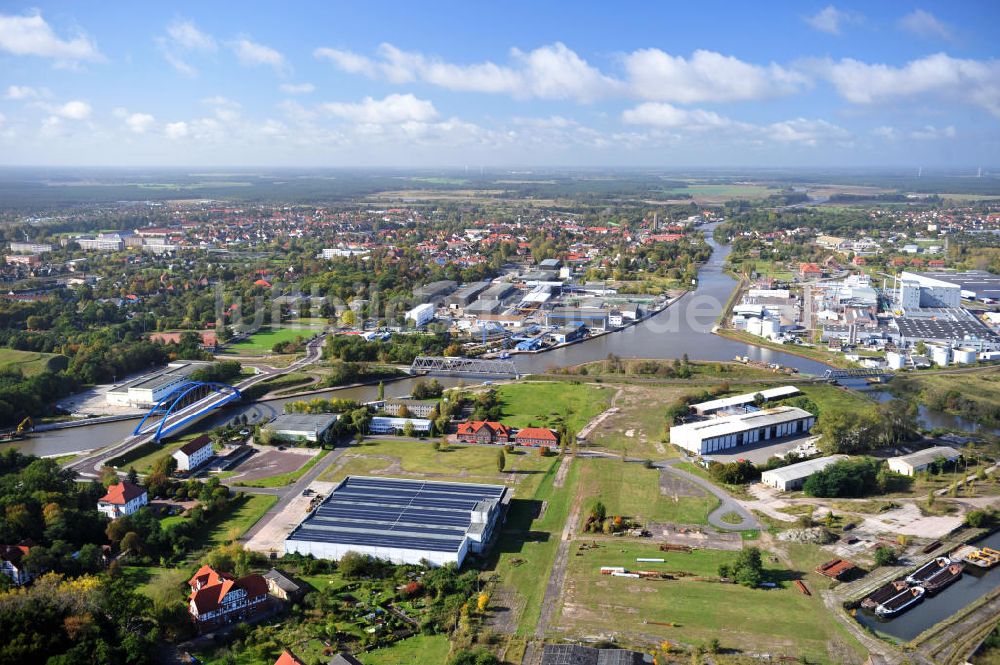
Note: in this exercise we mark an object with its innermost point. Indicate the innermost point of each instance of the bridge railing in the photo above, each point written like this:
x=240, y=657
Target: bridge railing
x=175, y=401
x=449, y=365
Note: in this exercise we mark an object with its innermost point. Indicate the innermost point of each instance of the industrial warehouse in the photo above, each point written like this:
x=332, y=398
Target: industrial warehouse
x=402, y=521
x=717, y=434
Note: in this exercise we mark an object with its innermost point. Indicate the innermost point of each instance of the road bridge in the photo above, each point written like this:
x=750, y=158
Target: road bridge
x=188, y=402
x=857, y=373
x=465, y=366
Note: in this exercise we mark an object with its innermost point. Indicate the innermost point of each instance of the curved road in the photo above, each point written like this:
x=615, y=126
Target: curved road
x=727, y=503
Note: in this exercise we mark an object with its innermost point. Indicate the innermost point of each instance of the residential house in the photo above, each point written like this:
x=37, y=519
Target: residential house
x=281, y=585
x=288, y=658
x=194, y=453
x=121, y=499
x=536, y=436
x=810, y=271
x=12, y=562
x=219, y=598
x=483, y=431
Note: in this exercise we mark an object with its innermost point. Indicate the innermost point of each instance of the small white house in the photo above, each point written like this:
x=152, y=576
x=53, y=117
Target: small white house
x=193, y=454
x=794, y=476
x=122, y=499
x=920, y=460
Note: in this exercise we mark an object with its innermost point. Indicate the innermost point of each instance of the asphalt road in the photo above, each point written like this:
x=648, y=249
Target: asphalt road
x=727, y=503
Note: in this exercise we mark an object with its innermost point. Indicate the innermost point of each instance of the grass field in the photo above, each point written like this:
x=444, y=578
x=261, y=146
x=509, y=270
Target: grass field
x=547, y=403
x=424, y=649
x=29, y=362
x=528, y=542
x=637, y=430
x=242, y=515
x=142, y=457
x=471, y=464
x=779, y=621
x=264, y=340
x=630, y=490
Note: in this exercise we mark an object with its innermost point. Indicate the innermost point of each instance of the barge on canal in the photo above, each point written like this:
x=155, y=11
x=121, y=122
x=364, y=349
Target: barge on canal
x=943, y=577
x=883, y=593
x=901, y=602
x=932, y=567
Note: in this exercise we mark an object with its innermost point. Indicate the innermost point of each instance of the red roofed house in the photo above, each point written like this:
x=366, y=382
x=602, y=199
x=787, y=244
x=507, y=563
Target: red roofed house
x=288, y=658
x=810, y=271
x=11, y=565
x=536, y=436
x=219, y=598
x=483, y=431
x=122, y=499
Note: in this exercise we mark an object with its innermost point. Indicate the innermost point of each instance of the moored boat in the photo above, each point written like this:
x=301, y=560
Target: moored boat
x=883, y=593
x=930, y=568
x=901, y=602
x=943, y=577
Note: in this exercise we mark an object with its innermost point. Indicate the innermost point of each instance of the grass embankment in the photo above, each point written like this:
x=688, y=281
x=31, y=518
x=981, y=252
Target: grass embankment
x=812, y=353
x=418, y=459
x=688, y=610
x=280, y=382
x=283, y=479
x=630, y=490
x=31, y=362
x=142, y=457
x=974, y=395
x=547, y=403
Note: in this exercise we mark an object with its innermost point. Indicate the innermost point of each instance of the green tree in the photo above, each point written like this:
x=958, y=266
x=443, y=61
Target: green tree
x=747, y=569
x=501, y=461
x=886, y=556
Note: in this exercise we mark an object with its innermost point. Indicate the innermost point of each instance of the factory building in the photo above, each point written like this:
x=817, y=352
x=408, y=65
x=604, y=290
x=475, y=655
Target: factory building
x=421, y=314
x=402, y=521
x=595, y=319
x=466, y=295
x=928, y=291
x=434, y=292
x=737, y=401
x=719, y=434
x=149, y=389
x=794, y=476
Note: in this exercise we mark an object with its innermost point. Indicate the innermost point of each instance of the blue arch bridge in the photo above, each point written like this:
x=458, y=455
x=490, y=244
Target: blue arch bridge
x=185, y=404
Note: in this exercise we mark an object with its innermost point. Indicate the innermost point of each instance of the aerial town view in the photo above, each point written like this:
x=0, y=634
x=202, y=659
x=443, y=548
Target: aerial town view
x=522, y=333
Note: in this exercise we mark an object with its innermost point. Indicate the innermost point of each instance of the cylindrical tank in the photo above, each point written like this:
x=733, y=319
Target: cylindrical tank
x=964, y=355
x=940, y=355
x=895, y=360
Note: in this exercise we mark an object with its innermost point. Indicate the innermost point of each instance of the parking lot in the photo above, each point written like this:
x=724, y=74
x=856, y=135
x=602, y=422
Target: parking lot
x=267, y=462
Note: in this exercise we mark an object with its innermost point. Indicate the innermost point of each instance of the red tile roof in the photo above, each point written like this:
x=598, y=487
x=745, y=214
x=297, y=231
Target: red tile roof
x=474, y=426
x=288, y=658
x=536, y=433
x=122, y=493
x=208, y=598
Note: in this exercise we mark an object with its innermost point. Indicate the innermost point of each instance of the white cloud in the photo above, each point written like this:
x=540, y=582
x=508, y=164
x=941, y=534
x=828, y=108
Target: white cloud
x=830, y=20
x=176, y=130
x=924, y=24
x=187, y=35
x=705, y=76
x=393, y=109
x=184, y=37
x=886, y=132
x=251, y=54
x=25, y=92
x=74, y=110
x=297, y=88
x=30, y=35
x=552, y=72
x=657, y=114
x=224, y=109
x=140, y=123
x=973, y=81
x=930, y=133
x=699, y=121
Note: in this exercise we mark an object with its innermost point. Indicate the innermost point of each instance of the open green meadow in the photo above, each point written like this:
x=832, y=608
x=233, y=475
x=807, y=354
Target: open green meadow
x=549, y=403
x=31, y=362
x=695, y=607
x=264, y=339
x=425, y=649
x=631, y=490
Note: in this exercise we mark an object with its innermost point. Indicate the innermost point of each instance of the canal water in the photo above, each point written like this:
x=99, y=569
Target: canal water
x=931, y=419
x=973, y=584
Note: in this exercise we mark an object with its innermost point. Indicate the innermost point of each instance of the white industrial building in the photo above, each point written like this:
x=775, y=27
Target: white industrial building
x=794, y=476
x=387, y=425
x=149, y=389
x=421, y=314
x=920, y=460
x=717, y=434
x=300, y=426
x=711, y=406
x=403, y=521
x=922, y=290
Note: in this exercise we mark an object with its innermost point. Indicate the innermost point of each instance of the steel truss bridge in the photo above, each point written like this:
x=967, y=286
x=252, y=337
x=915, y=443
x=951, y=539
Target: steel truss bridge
x=480, y=366
x=859, y=373
x=176, y=410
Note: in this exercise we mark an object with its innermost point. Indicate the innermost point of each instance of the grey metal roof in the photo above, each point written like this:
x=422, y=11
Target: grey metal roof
x=302, y=422
x=573, y=654
x=397, y=513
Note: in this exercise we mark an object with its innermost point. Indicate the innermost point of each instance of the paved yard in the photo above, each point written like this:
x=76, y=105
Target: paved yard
x=270, y=537
x=267, y=462
x=759, y=453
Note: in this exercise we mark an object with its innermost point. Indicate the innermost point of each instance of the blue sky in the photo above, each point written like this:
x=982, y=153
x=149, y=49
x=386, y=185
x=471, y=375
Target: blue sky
x=499, y=84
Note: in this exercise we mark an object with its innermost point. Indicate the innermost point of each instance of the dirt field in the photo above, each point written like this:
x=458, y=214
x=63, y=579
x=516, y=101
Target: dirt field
x=637, y=428
x=271, y=462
